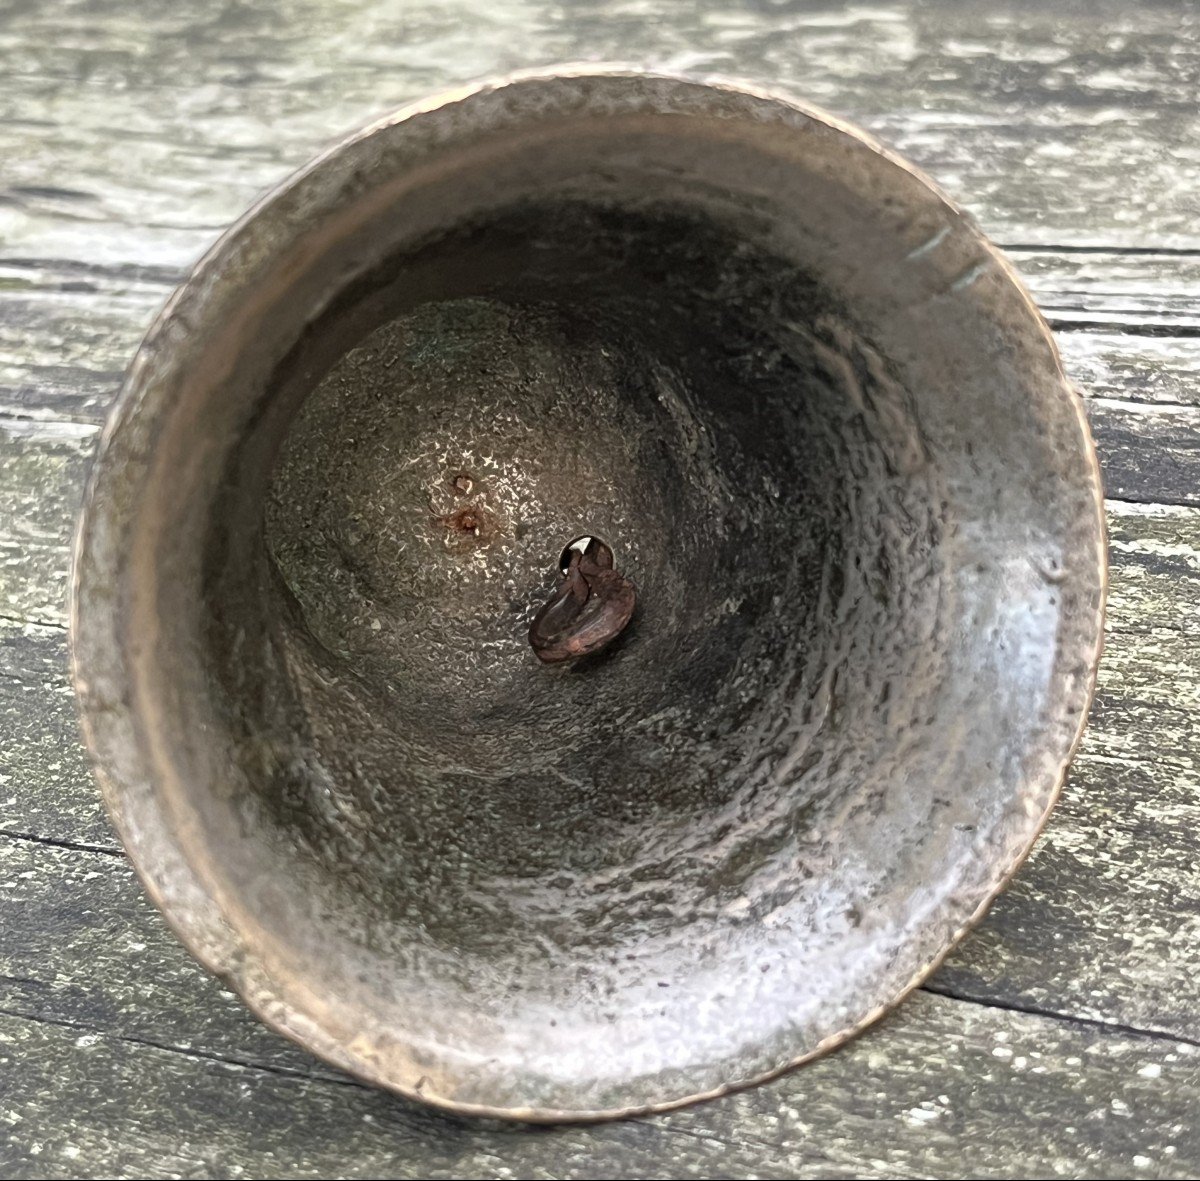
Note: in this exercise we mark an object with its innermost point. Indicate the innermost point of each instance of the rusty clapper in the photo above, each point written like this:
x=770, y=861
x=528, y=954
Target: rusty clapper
x=824, y=429
x=590, y=609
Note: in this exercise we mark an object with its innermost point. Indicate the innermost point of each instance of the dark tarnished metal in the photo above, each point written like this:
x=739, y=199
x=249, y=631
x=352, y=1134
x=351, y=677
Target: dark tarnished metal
x=832, y=438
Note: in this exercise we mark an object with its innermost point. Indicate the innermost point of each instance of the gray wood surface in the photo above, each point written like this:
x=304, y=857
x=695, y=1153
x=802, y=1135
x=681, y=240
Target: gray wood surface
x=1063, y=1038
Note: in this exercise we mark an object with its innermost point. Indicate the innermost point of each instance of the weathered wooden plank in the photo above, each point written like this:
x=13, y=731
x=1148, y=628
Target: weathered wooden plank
x=82, y=944
x=1146, y=294
x=1154, y=588
x=1102, y=923
x=1113, y=365
x=978, y=1091
x=1156, y=584
x=46, y=787
x=941, y=1086
x=66, y=334
x=61, y=353
x=1149, y=450
x=67, y=330
x=1154, y=578
x=43, y=467
x=1038, y=117
x=1150, y=453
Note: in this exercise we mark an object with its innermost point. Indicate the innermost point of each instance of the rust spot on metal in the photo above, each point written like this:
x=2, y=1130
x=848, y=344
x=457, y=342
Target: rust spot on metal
x=464, y=520
x=470, y=523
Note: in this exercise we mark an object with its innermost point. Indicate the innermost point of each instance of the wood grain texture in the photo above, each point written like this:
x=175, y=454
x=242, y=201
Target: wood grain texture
x=131, y=134
x=1006, y=1095
x=169, y=117
x=1114, y=874
x=1149, y=448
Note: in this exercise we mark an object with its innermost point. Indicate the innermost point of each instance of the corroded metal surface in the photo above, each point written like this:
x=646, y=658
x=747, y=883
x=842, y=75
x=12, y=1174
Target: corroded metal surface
x=855, y=492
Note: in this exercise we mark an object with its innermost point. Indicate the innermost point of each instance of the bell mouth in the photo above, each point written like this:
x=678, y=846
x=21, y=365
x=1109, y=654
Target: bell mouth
x=825, y=435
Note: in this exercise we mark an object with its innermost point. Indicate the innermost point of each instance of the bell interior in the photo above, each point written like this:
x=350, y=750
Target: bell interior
x=826, y=437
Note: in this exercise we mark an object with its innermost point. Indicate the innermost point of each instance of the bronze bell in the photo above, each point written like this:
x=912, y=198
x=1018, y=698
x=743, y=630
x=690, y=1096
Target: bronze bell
x=804, y=716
